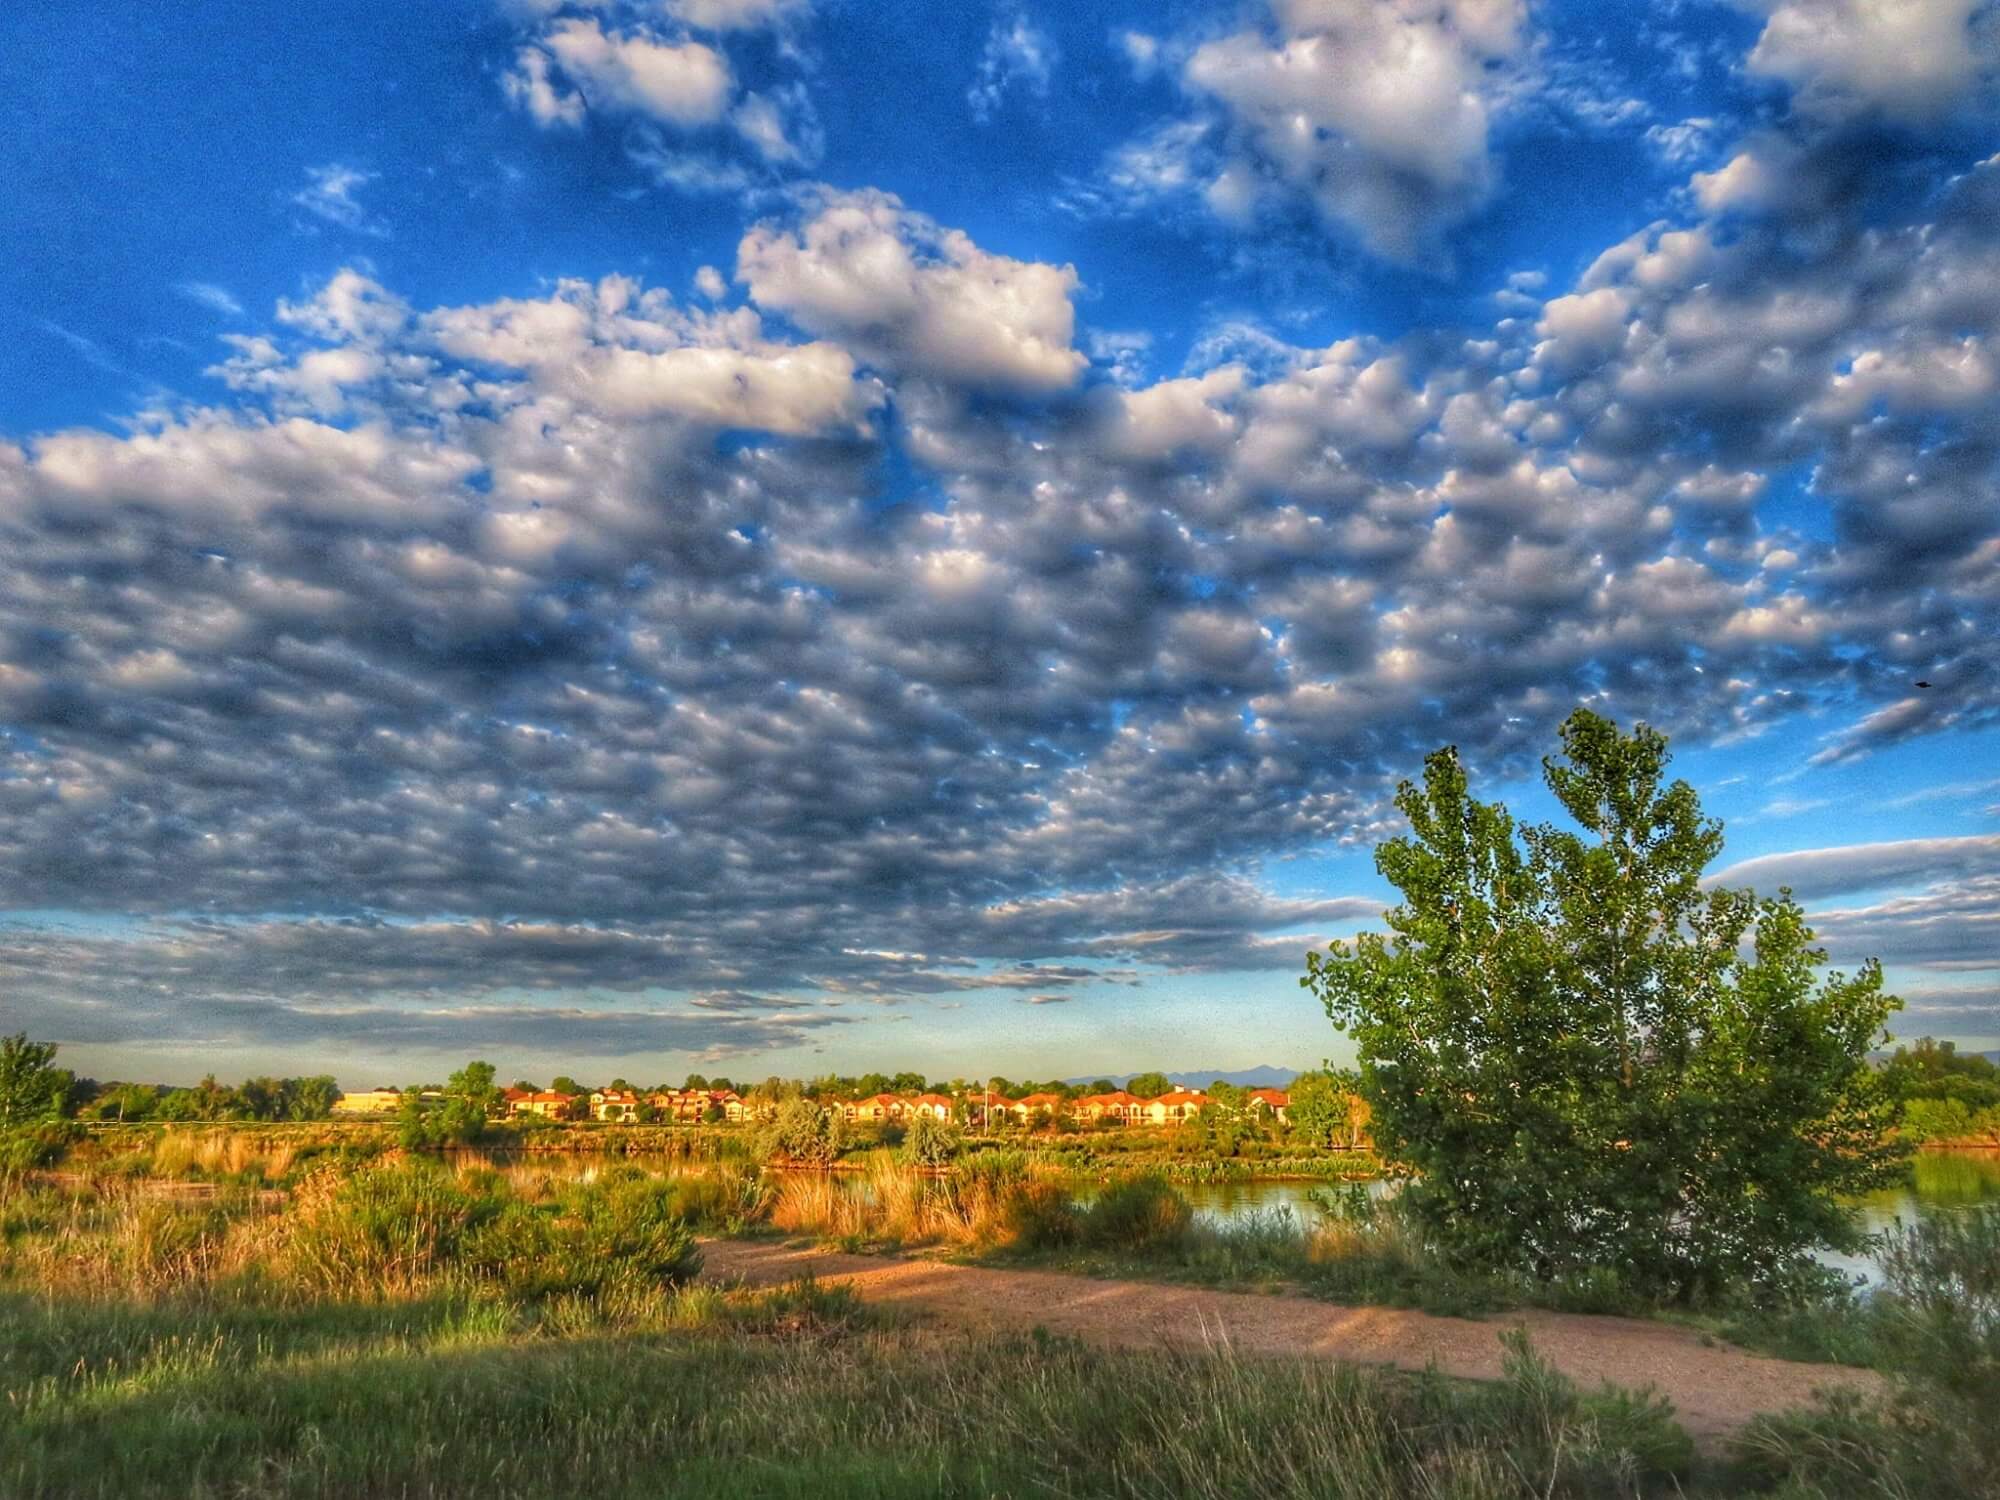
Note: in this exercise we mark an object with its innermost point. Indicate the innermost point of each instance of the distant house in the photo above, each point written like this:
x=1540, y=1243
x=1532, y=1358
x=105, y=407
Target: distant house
x=1171, y=1109
x=937, y=1106
x=982, y=1105
x=877, y=1108
x=542, y=1103
x=378, y=1101
x=618, y=1105
x=1026, y=1108
x=1118, y=1106
x=1276, y=1102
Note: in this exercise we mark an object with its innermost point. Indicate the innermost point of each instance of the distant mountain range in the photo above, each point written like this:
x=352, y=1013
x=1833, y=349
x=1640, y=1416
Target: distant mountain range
x=1263, y=1076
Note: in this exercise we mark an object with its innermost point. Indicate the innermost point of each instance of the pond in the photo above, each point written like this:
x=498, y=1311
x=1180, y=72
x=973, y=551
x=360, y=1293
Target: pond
x=1939, y=1180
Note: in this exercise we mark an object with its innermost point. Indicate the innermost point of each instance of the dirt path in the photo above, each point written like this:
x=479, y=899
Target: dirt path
x=1714, y=1388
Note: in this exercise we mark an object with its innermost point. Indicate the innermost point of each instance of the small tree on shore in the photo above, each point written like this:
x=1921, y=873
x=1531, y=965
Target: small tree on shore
x=806, y=1132
x=1583, y=1059
x=32, y=1088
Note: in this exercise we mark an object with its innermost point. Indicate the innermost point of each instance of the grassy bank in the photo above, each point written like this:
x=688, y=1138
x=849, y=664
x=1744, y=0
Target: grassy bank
x=403, y=1328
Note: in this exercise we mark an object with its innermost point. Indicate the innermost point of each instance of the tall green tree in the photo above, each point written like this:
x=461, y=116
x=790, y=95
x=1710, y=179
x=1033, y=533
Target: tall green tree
x=32, y=1087
x=310, y=1098
x=1150, y=1085
x=477, y=1084
x=1581, y=1058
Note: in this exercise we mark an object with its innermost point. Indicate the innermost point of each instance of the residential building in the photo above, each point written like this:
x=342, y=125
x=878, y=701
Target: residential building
x=937, y=1106
x=1025, y=1109
x=376, y=1101
x=544, y=1103
x=620, y=1106
x=1276, y=1102
x=1171, y=1109
x=1118, y=1106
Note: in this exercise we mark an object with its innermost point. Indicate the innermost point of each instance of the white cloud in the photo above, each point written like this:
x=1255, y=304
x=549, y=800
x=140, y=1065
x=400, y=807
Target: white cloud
x=1682, y=142
x=907, y=292
x=1378, y=113
x=1865, y=867
x=1017, y=55
x=329, y=195
x=1909, y=59
x=780, y=126
x=679, y=83
x=211, y=296
x=737, y=15
x=1141, y=50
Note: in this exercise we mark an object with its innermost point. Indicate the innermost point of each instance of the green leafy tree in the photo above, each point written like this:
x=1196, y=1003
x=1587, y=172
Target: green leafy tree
x=1150, y=1085
x=931, y=1142
x=907, y=1083
x=475, y=1084
x=1100, y=1086
x=260, y=1099
x=126, y=1101
x=1582, y=1059
x=1326, y=1111
x=310, y=1098
x=32, y=1088
x=564, y=1084
x=695, y=1081
x=806, y=1132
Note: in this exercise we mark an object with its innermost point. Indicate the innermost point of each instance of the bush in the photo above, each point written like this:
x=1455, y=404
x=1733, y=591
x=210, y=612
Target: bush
x=1037, y=1214
x=932, y=1142
x=807, y=1133
x=1142, y=1214
x=1937, y=1328
x=407, y=1227
x=27, y=1148
x=389, y=1227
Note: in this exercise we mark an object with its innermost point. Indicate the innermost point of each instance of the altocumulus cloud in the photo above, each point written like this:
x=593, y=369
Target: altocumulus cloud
x=847, y=639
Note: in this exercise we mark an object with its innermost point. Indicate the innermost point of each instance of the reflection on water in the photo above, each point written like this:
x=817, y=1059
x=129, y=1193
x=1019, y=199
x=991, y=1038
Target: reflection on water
x=1938, y=1180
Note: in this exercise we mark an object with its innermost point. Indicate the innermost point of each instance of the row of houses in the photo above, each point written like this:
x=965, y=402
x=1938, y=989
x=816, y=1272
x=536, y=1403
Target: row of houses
x=626, y=1106
x=1119, y=1106
x=984, y=1108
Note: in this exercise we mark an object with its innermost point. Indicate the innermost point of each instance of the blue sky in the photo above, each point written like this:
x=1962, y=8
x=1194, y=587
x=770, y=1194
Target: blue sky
x=782, y=535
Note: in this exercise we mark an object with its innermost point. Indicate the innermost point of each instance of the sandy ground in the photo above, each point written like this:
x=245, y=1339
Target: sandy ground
x=1714, y=1388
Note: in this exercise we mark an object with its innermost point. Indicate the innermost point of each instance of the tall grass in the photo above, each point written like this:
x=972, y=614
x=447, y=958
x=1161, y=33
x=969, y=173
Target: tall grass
x=1936, y=1326
x=785, y=1394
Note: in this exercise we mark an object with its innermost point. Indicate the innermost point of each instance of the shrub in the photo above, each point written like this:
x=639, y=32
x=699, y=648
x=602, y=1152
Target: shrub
x=388, y=1228
x=1142, y=1214
x=931, y=1142
x=1937, y=1328
x=27, y=1148
x=806, y=1132
x=1037, y=1214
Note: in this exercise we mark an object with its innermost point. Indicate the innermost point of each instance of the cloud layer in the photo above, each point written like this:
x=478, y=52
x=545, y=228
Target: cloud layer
x=868, y=628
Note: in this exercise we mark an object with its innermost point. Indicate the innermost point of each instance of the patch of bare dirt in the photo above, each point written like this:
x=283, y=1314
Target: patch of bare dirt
x=1715, y=1388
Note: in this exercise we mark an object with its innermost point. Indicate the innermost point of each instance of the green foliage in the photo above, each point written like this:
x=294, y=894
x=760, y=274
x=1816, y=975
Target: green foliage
x=125, y=1102
x=1150, y=1085
x=477, y=1084
x=931, y=1142
x=1142, y=1214
x=1936, y=1326
x=806, y=1132
x=396, y=1228
x=1037, y=1214
x=1565, y=1049
x=455, y=1120
x=32, y=1088
x=26, y=1148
